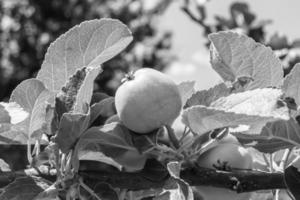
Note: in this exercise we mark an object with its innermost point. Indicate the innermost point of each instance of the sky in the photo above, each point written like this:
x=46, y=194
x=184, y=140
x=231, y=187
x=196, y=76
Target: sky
x=188, y=41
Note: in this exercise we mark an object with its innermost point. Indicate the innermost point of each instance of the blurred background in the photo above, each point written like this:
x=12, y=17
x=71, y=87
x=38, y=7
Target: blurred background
x=170, y=36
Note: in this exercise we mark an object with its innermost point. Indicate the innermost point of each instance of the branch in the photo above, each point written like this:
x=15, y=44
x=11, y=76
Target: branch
x=239, y=181
x=198, y=20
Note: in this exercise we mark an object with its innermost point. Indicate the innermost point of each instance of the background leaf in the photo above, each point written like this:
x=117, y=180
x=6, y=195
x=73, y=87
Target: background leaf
x=291, y=84
x=88, y=44
x=236, y=56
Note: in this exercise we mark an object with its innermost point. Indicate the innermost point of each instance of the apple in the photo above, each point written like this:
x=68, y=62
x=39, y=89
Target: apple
x=225, y=154
x=147, y=100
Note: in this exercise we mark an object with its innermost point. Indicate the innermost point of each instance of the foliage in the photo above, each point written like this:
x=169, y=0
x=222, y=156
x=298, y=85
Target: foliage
x=79, y=155
x=82, y=150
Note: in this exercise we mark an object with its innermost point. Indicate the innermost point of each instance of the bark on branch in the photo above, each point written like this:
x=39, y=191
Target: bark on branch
x=239, y=181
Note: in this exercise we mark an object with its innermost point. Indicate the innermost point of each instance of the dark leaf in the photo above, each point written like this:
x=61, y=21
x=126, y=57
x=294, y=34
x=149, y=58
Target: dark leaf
x=71, y=126
x=24, y=188
x=292, y=180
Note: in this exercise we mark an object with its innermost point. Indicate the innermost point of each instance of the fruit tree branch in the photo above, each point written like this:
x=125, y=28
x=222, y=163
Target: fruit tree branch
x=240, y=181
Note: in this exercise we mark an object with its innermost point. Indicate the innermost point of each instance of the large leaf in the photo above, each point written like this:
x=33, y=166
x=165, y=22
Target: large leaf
x=86, y=45
x=291, y=84
x=33, y=97
x=260, y=102
x=236, y=56
x=280, y=134
x=24, y=188
x=206, y=97
x=202, y=119
x=253, y=108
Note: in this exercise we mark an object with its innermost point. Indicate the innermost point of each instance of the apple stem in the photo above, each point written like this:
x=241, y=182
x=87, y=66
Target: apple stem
x=128, y=77
x=172, y=137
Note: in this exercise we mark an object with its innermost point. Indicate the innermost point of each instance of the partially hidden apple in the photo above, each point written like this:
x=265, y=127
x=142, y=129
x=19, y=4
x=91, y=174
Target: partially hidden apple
x=230, y=155
x=147, y=100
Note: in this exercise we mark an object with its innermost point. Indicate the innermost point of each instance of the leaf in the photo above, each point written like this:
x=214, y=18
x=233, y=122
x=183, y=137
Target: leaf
x=71, y=127
x=175, y=188
x=32, y=96
x=85, y=92
x=51, y=193
x=98, y=156
x=104, y=108
x=12, y=113
x=76, y=94
x=13, y=133
x=206, y=97
x=174, y=169
x=39, y=119
x=103, y=190
x=24, y=188
x=202, y=119
x=4, y=115
x=26, y=93
x=236, y=56
x=292, y=178
x=111, y=139
x=260, y=102
x=186, y=89
x=277, y=135
x=291, y=84
x=4, y=167
x=88, y=44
